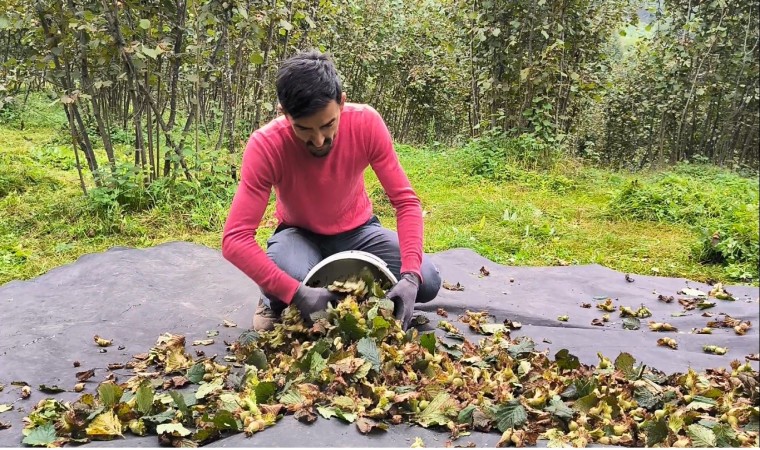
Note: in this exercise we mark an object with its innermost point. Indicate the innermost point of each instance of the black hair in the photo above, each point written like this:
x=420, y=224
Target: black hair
x=306, y=83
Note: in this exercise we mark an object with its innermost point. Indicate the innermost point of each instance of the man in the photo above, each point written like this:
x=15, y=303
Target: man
x=314, y=156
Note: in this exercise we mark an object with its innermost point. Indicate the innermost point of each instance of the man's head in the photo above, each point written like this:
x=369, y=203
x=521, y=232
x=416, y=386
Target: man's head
x=310, y=95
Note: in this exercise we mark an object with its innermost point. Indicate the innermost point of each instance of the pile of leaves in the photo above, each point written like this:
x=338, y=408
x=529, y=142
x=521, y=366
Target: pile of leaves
x=355, y=364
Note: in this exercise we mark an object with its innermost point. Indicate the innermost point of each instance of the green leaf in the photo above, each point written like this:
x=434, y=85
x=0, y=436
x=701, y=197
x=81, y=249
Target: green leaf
x=558, y=408
x=326, y=412
x=179, y=400
x=319, y=348
x=367, y=348
x=579, y=388
x=701, y=436
x=150, y=52
x=5, y=407
x=50, y=389
x=631, y=323
x=524, y=74
x=145, y=398
x=257, y=358
x=624, y=363
x=465, y=415
x=285, y=24
x=174, y=429
x=195, y=373
x=110, y=394
x=438, y=411
x=524, y=346
x=725, y=436
x=208, y=388
x=291, y=398
x=349, y=326
x=510, y=415
x=250, y=336
x=656, y=431
x=428, y=341
x=264, y=391
x=144, y=24
x=161, y=417
x=544, y=34
x=586, y=402
x=41, y=436
x=224, y=420
x=318, y=364
x=646, y=399
x=566, y=360
x=491, y=328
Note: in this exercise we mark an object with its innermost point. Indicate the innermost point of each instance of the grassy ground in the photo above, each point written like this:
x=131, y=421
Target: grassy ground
x=562, y=216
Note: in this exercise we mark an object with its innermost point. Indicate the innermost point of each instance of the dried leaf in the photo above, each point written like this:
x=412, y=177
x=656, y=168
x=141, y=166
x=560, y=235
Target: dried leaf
x=484, y=272
x=85, y=375
x=442, y=312
x=661, y=326
x=203, y=342
x=366, y=425
x=229, y=323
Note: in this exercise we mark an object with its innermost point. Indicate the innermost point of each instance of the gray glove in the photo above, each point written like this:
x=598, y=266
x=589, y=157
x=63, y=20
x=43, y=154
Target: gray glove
x=309, y=300
x=404, y=294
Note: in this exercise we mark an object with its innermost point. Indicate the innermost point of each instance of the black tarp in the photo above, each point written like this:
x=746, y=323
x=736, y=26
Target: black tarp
x=132, y=296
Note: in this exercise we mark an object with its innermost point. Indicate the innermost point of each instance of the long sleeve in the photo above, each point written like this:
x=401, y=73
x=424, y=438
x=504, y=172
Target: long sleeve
x=239, y=244
x=387, y=167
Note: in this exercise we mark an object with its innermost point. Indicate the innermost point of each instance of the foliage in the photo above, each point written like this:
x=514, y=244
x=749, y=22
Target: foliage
x=323, y=367
x=721, y=206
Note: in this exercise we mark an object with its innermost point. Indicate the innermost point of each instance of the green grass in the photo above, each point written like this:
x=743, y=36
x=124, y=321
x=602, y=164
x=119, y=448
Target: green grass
x=566, y=214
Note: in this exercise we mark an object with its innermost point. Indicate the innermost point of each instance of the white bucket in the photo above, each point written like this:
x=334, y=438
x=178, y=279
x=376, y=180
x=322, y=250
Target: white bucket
x=346, y=264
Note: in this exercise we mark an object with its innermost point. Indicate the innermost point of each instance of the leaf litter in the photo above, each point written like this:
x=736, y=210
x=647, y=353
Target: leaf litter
x=355, y=364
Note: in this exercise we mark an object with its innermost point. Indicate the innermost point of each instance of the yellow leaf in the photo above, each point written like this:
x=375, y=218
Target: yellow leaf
x=105, y=426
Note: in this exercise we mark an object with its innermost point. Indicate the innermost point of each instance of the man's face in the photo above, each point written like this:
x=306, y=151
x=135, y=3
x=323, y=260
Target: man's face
x=318, y=130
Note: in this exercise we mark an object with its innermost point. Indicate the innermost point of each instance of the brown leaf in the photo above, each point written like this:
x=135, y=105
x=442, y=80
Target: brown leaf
x=442, y=312
x=229, y=323
x=76, y=364
x=597, y=322
x=141, y=356
x=180, y=381
x=688, y=303
x=484, y=272
x=305, y=415
x=274, y=410
x=666, y=299
x=115, y=366
x=586, y=305
x=480, y=421
x=753, y=357
x=452, y=287
x=366, y=425
x=86, y=375
x=4, y=425
x=628, y=278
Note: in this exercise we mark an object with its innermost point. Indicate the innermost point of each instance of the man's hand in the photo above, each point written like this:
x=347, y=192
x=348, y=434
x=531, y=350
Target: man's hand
x=309, y=300
x=404, y=294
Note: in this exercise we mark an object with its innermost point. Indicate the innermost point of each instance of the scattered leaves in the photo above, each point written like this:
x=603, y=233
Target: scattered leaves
x=442, y=312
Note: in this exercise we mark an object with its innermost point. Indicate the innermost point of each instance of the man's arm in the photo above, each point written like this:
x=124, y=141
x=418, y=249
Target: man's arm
x=239, y=244
x=385, y=163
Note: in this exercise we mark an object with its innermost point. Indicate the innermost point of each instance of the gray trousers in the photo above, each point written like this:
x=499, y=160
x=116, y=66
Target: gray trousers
x=297, y=251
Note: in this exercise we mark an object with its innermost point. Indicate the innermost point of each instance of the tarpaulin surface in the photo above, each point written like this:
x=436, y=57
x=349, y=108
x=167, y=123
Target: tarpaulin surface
x=134, y=295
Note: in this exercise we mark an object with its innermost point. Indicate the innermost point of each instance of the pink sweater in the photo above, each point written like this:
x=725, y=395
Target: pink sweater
x=324, y=195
